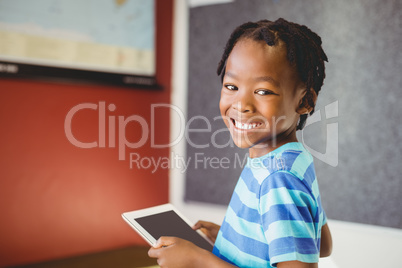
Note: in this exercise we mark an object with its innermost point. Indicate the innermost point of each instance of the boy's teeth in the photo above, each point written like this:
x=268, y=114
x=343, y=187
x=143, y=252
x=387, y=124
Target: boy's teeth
x=245, y=126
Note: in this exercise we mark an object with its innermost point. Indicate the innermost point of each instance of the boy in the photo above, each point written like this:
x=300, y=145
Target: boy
x=271, y=74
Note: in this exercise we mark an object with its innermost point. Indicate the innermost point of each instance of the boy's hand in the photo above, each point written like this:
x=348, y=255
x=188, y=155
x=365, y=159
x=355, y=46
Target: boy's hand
x=176, y=252
x=208, y=228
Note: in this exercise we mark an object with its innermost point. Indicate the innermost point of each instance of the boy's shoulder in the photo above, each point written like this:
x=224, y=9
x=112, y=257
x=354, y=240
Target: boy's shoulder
x=291, y=158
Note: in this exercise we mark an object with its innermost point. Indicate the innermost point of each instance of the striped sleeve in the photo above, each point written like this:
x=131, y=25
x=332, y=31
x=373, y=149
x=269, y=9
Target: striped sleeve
x=288, y=212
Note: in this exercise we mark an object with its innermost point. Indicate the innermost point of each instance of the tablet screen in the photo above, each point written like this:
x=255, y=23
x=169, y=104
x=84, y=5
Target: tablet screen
x=170, y=224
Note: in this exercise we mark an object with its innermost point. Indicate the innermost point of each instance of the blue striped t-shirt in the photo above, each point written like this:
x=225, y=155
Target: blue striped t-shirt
x=275, y=214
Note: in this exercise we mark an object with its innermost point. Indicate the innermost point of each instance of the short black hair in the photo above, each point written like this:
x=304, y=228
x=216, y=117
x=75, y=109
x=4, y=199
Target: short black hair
x=303, y=46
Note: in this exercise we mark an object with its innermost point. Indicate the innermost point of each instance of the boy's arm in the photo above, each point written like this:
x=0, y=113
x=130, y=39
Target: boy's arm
x=176, y=252
x=326, y=241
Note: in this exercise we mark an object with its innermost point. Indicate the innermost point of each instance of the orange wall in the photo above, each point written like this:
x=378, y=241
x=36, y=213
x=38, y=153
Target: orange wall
x=58, y=200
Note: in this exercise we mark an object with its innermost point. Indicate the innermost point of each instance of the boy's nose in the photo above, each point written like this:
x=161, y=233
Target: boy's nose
x=243, y=104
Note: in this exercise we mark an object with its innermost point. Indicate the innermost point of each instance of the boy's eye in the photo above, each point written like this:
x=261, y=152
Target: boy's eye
x=231, y=87
x=264, y=92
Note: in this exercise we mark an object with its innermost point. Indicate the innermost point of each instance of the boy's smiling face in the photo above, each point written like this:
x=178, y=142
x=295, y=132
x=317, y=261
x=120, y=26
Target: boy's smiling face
x=260, y=97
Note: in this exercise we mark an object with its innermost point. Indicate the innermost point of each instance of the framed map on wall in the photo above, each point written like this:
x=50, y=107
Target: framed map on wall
x=103, y=41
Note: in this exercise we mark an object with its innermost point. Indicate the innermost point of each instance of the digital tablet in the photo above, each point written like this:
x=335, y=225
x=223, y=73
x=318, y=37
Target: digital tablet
x=164, y=220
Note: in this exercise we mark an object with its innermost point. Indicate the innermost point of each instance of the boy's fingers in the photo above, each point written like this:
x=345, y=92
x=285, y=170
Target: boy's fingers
x=201, y=224
x=153, y=253
x=164, y=241
x=198, y=225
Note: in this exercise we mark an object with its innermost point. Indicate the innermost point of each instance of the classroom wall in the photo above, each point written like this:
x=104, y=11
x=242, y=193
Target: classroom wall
x=58, y=200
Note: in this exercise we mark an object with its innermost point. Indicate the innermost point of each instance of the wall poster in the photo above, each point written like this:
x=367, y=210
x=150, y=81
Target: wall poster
x=102, y=41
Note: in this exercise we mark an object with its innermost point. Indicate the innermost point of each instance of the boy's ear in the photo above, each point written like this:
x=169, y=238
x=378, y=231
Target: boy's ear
x=307, y=103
